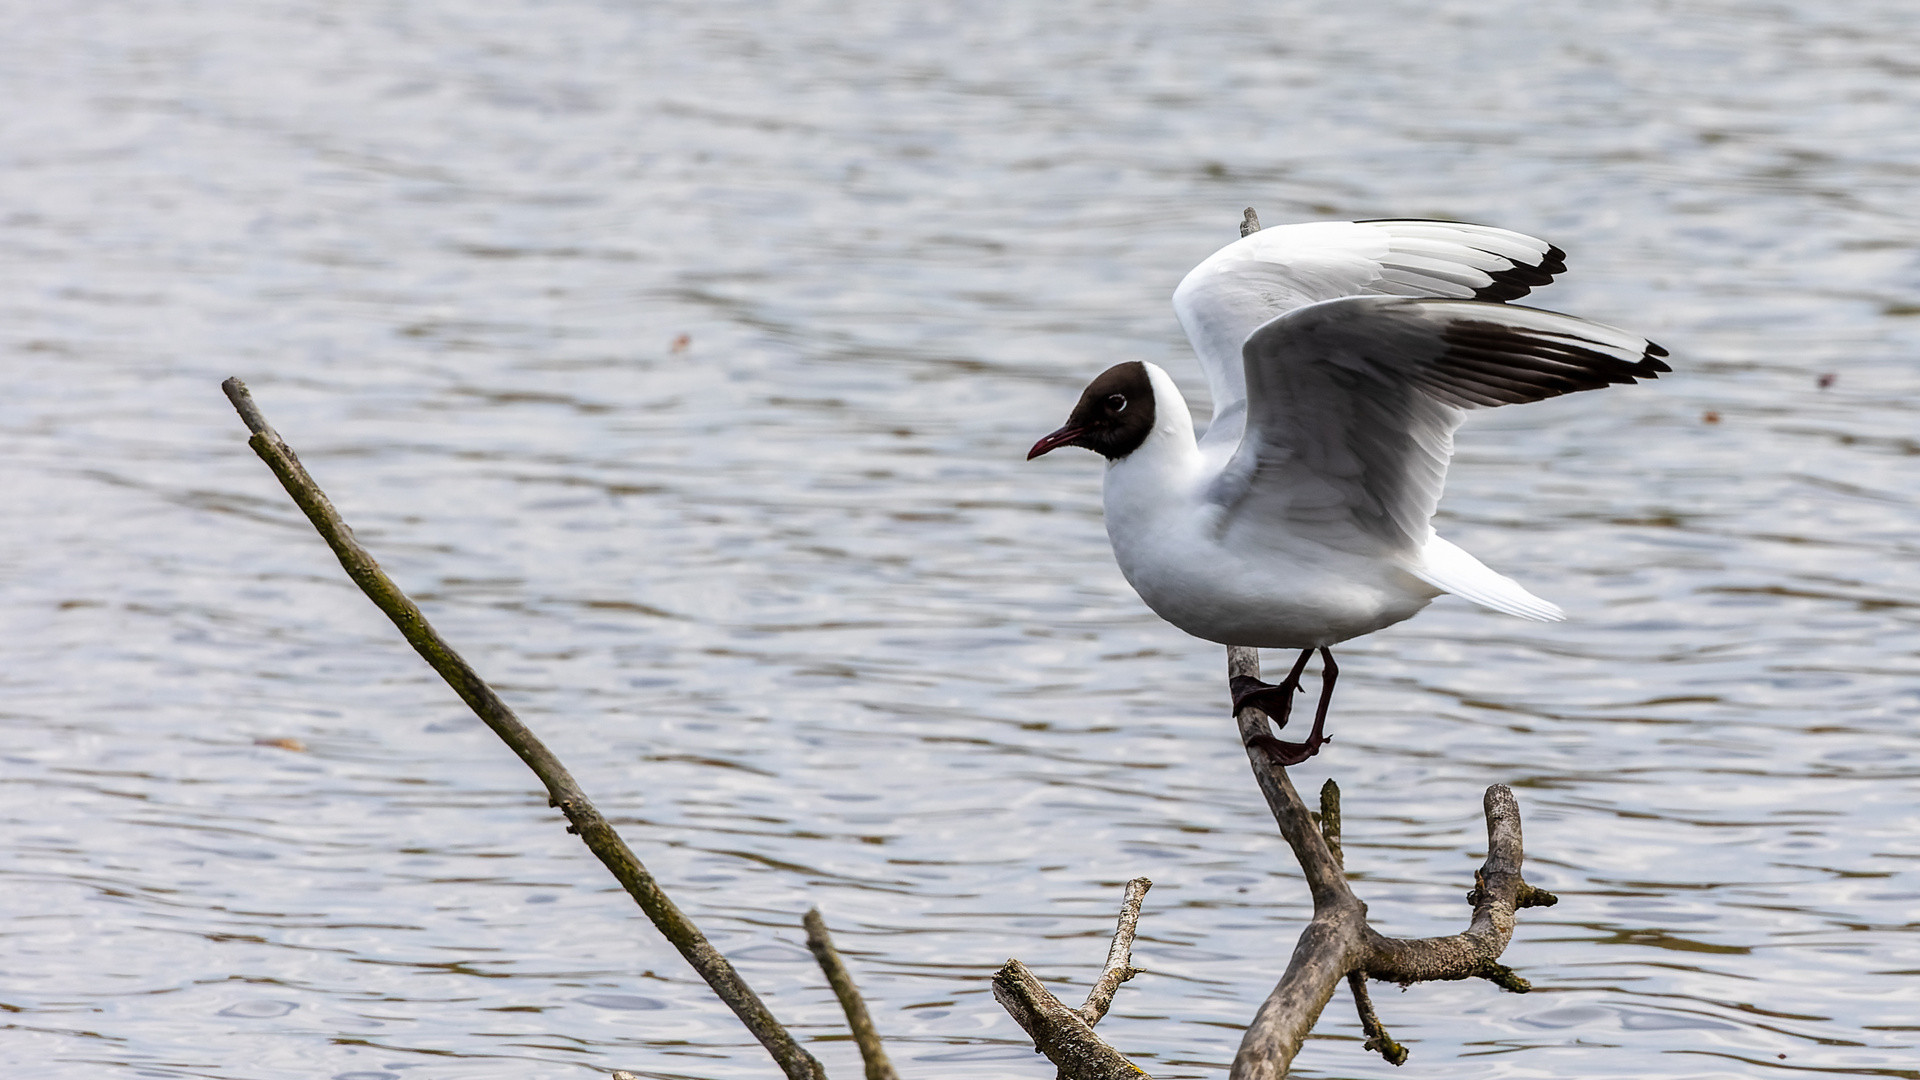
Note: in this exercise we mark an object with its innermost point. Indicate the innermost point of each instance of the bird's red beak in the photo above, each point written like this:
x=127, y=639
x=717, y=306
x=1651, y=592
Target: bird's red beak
x=1063, y=437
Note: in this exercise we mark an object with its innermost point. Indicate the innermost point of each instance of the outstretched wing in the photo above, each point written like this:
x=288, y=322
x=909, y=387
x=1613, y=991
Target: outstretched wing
x=1245, y=284
x=1352, y=405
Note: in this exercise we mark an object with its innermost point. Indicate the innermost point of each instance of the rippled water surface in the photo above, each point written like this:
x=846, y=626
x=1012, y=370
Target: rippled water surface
x=680, y=358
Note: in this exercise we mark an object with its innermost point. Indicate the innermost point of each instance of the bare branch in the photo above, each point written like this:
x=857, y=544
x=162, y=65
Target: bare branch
x=1065, y=1034
x=562, y=790
x=1057, y=1031
x=1475, y=952
x=1119, y=955
x=820, y=943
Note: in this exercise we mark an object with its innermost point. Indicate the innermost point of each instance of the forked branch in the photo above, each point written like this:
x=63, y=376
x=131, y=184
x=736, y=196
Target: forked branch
x=1065, y=1034
x=1338, y=944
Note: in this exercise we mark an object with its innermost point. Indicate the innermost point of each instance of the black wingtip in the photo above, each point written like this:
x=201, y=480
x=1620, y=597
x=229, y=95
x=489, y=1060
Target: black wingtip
x=1504, y=288
x=1649, y=366
x=1515, y=281
x=1521, y=278
x=1488, y=362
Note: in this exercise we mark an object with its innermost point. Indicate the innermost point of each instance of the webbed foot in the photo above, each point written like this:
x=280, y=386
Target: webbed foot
x=1274, y=699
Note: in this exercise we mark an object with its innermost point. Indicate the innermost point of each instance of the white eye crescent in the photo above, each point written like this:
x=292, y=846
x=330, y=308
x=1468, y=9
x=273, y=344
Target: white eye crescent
x=1117, y=402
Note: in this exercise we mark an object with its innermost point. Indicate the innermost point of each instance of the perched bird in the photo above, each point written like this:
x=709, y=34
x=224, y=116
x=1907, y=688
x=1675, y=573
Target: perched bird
x=1340, y=356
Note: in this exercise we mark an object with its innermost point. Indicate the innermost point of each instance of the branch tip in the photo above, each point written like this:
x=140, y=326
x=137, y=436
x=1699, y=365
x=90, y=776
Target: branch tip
x=250, y=414
x=1377, y=1038
x=1119, y=954
x=1387, y=1048
x=1534, y=896
x=1330, y=819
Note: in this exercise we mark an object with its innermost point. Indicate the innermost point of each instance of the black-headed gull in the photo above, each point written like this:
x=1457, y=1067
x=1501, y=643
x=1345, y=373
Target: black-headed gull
x=1341, y=356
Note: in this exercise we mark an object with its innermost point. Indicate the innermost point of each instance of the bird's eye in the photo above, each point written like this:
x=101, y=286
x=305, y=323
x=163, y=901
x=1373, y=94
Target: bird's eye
x=1117, y=402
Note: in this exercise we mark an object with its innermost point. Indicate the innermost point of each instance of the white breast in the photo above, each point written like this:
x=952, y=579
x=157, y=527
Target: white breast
x=1236, y=587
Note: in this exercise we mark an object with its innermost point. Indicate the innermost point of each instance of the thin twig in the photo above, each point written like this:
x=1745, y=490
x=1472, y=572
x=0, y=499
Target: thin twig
x=1330, y=819
x=820, y=943
x=1119, y=955
x=562, y=790
x=1376, y=1032
x=1377, y=1037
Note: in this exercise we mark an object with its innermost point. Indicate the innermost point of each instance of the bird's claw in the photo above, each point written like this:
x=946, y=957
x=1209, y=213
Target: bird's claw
x=1289, y=753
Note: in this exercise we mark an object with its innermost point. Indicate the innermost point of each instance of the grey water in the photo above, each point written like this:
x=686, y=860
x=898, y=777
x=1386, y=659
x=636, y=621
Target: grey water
x=681, y=359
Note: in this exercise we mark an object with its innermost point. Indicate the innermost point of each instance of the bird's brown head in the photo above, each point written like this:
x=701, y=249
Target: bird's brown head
x=1114, y=417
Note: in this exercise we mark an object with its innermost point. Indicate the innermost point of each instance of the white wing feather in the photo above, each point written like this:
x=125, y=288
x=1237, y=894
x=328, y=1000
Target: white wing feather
x=1245, y=284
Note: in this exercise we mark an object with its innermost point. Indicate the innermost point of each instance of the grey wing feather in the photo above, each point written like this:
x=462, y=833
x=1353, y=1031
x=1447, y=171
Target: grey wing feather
x=1352, y=405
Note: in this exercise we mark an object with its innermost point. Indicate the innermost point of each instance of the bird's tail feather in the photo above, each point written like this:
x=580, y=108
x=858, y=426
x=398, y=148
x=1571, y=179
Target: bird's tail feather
x=1447, y=567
